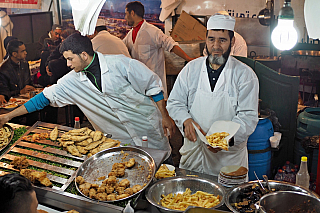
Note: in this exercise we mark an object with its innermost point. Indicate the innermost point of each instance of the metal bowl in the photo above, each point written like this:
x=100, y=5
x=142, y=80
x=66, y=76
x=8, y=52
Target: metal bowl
x=179, y=185
x=232, y=195
x=101, y=163
x=286, y=201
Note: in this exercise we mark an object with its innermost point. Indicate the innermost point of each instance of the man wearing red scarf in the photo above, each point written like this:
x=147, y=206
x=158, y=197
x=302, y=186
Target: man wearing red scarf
x=147, y=43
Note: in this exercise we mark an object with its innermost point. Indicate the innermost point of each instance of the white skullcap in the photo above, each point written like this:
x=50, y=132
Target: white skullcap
x=101, y=22
x=221, y=22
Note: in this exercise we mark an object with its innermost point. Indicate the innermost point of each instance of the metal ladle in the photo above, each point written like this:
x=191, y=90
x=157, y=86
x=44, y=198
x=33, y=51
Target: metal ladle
x=265, y=177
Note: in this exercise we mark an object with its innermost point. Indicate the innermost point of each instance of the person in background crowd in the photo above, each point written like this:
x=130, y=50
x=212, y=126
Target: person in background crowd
x=240, y=46
x=17, y=194
x=15, y=76
x=56, y=64
x=53, y=34
x=117, y=94
x=5, y=44
x=55, y=68
x=213, y=88
x=147, y=43
x=44, y=79
x=105, y=43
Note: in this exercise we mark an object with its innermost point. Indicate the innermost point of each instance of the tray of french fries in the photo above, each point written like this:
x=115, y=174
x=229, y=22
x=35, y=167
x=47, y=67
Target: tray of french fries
x=6, y=135
x=219, y=134
x=165, y=171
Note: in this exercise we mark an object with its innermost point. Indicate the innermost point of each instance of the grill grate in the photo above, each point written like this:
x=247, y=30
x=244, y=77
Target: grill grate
x=44, y=155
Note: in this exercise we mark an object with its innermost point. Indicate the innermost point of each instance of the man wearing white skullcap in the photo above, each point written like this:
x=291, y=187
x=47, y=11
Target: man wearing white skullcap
x=105, y=43
x=214, y=88
x=240, y=46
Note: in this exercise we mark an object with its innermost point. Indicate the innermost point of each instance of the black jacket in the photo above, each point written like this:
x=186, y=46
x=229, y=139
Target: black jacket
x=13, y=77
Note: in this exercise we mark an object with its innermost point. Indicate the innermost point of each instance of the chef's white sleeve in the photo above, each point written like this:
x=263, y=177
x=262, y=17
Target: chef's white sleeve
x=58, y=94
x=247, y=110
x=142, y=79
x=164, y=41
x=177, y=104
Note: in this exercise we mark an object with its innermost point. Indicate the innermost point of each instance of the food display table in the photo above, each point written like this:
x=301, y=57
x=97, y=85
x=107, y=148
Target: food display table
x=62, y=200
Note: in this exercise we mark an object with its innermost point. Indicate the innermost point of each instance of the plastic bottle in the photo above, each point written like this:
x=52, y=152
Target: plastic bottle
x=288, y=166
x=279, y=175
x=144, y=141
x=292, y=176
x=302, y=177
x=76, y=123
x=285, y=174
x=296, y=168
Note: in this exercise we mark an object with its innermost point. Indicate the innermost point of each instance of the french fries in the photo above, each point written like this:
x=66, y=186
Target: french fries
x=218, y=140
x=5, y=134
x=164, y=172
x=182, y=201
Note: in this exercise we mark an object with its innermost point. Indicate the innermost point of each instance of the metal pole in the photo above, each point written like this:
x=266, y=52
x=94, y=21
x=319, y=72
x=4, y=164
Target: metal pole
x=50, y=5
x=58, y=10
x=272, y=26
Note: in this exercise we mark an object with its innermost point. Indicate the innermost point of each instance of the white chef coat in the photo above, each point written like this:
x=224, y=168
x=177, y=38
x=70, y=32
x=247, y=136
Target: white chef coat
x=148, y=48
x=235, y=98
x=123, y=108
x=106, y=43
x=238, y=49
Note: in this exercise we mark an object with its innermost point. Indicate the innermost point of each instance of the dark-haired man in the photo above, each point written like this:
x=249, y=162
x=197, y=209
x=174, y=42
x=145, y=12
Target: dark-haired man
x=5, y=44
x=15, y=76
x=105, y=43
x=53, y=34
x=17, y=194
x=117, y=94
x=147, y=43
x=213, y=88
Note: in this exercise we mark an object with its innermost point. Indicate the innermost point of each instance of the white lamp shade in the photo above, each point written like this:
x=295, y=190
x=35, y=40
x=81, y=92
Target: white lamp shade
x=311, y=17
x=284, y=36
x=79, y=4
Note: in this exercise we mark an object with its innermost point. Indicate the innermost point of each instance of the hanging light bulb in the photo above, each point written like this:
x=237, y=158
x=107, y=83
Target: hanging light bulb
x=284, y=35
x=79, y=4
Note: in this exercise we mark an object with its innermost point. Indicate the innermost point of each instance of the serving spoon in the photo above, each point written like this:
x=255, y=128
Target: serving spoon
x=265, y=177
x=259, y=182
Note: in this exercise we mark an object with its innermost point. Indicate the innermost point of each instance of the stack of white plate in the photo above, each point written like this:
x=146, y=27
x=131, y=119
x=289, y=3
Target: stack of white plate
x=233, y=175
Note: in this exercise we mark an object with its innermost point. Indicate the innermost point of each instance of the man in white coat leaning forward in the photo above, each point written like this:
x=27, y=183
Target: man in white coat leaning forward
x=117, y=94
x=208, y=89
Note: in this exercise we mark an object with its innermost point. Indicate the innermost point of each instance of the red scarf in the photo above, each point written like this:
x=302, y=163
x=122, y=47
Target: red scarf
x=136, y=30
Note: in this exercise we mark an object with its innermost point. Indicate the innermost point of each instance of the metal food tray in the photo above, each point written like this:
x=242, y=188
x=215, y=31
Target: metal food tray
x=44, y=150
x=233, y=194
x=100, y=165
x=12, y=133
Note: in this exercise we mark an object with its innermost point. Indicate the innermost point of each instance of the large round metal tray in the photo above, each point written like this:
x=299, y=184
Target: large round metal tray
x=233, y=193
x=179, y=184
x=101, y=163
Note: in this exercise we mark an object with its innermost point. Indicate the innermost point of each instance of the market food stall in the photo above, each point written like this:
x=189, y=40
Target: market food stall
x=62, y=168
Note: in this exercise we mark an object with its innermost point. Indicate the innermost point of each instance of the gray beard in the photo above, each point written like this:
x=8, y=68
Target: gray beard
x=214, y=59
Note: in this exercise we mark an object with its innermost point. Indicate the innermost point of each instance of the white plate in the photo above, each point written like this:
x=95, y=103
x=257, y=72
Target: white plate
x=219, y=126
x=49, y=210
x=9, y=105
x=170, y=167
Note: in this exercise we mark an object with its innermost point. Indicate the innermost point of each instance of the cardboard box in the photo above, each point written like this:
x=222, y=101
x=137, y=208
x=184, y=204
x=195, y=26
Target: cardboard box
x=188, y=28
